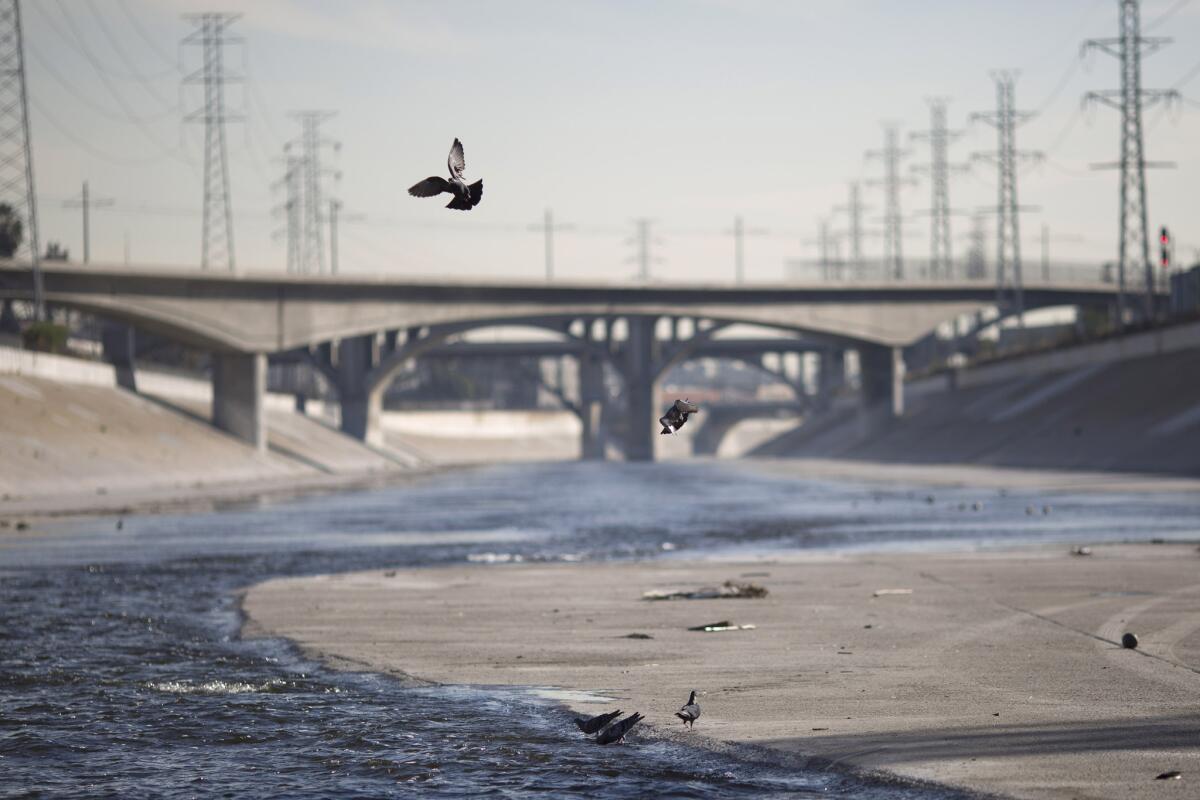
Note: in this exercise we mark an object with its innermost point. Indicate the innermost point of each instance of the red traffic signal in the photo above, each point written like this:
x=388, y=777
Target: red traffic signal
x=1164, y=240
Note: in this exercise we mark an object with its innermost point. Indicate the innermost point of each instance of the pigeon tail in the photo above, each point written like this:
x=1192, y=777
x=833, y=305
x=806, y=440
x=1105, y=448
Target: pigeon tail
x=476, y=192
x=460, y=203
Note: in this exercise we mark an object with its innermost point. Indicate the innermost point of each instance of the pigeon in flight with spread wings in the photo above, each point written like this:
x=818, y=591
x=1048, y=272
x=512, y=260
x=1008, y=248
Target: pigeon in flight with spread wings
x=465, y=197
x=677, y=416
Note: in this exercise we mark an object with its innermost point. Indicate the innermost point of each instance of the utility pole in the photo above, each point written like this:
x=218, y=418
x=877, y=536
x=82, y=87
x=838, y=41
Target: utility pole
x=739, y=233
x=335, y=214
x=1005, y=120
x=1128, y=48
x=87, y=202
x=643, y=241
x=548, y=228
x=941, y=263
x=216, y=246
x=828, y=257
x=16, y=148
x=854, y=209
x=312, y=207
x=891, y=154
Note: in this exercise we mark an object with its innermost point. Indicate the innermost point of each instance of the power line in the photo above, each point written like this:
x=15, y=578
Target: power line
x=149, y=40
x=120, y=50
x=83, y=97
x=1166, y=15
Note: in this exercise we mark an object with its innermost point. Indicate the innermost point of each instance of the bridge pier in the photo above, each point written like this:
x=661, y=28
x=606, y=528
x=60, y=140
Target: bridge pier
x=882, y=377
x=120, y=350
x=640, y=374
x=239, y=382
x=591, y=407
x=361, y=407
x=831, y=375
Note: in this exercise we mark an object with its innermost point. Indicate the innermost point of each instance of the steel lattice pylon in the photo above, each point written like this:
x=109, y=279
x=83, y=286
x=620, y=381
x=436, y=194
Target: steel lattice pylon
x=16, y=155
x=893, y=220
x=939, y=169
x=211, y=33
x=1005, y=119
x=1128, y=48
x=310, y=209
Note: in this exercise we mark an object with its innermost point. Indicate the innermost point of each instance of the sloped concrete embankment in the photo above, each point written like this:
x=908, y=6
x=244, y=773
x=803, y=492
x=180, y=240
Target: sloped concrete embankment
x=68, y=433
x=1129, y=405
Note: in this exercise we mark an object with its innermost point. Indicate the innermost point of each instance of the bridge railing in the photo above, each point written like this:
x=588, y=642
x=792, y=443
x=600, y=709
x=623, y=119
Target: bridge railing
x=876, y=271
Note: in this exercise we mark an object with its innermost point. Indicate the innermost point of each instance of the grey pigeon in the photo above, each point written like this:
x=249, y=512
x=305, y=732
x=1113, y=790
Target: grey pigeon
x=690, y=712
x=677, y=416
x=590, y=726
x=616, y=732
x=465, y=197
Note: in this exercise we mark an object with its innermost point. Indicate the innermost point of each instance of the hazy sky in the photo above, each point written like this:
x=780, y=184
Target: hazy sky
x=686, y=112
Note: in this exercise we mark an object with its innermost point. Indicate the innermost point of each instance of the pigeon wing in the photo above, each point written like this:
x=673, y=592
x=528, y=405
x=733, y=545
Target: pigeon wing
x=457, y=162
x=596, y=723
x=430, y=187
x=616, y=732
x=686, y=407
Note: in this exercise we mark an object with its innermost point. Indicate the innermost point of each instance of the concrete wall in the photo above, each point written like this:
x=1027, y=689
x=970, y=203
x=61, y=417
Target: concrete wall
x=1123, y=405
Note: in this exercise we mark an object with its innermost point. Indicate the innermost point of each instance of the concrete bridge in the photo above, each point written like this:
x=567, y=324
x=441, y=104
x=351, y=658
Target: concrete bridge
x=360, y=330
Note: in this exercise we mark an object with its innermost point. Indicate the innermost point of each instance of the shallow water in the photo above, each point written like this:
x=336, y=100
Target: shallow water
x=122, y=673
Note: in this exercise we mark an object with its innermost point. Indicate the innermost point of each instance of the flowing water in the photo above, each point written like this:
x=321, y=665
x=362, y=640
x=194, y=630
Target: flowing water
x=122, y=672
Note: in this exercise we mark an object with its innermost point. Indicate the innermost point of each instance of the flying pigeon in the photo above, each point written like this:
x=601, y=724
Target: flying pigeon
x=616, y=732
x=465, y=197
x=690, y=712
x=594, y=724
x=676, y=416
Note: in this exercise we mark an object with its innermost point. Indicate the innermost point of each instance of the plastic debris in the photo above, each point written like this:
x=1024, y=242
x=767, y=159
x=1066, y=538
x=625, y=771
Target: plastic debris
x=883, y=592
x=1173, y=775
x=638, y=636
x=727, y=590
x=723, y=625
x=1129, y=641
x=1083, y=550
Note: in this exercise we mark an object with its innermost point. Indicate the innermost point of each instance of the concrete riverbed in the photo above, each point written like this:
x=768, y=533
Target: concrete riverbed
x=995, y=671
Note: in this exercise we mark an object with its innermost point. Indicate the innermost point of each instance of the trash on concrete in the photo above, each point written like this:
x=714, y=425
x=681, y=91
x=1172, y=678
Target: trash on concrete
x=638, y=636
x=883, y=592
x=1129, y=641
x=729, y=589
x=723, y=625
x=1173, y=775
x=1082, y=550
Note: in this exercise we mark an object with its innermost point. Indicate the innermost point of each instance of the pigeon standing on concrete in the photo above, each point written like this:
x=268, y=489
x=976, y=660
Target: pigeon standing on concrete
x=616, y=732
x=590, y=726
x=676, y=416
x=690, y=711
x=465, y=197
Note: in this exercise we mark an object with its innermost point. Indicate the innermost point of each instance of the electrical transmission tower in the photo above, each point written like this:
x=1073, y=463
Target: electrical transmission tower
x=212, y=34
x=291, y=208
x=643, y=240
x=938, y=169
x=893, y=220
x=739, y=232
x=16, y=154
x=854, y=231
x=1005, y=120
x=829, y=259
x=311, y=258
x=548, y=228
x=1129, y=47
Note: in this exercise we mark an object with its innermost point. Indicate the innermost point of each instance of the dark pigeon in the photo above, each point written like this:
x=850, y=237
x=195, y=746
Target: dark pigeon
x=465, y=197
x=616, y=732
x=590, y=726
x=690, y=712
x=676, y=416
